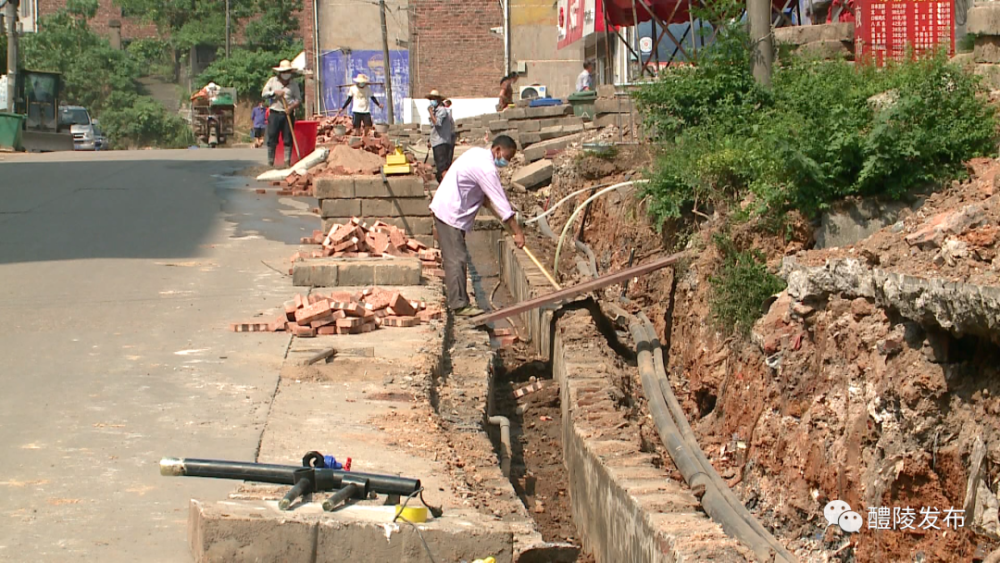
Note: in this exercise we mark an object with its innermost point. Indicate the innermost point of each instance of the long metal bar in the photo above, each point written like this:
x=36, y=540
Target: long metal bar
x=281, y=474
x=585, y=287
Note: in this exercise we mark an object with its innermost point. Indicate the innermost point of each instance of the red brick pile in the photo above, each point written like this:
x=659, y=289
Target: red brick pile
x=294, y=185
x=324, y=132
x=358, y=239
x=343, y=313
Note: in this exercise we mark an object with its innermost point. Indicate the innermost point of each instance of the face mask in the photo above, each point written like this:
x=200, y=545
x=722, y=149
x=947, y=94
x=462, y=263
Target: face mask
x=286, y=75
x=434, y=103
x=500, y=162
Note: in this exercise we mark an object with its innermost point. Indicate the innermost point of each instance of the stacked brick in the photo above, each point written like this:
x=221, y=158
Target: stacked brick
x=343, y=313
x=358, y=239
x=397, y=201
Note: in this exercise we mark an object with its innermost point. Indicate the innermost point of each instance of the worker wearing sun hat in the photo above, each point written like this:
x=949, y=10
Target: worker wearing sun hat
x=359, y=95
x=442, y=126
x=285, y=97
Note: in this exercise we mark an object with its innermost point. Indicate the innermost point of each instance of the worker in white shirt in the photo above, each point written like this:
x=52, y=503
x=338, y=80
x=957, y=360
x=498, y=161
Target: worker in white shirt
x=585, y=81
x=360, y=95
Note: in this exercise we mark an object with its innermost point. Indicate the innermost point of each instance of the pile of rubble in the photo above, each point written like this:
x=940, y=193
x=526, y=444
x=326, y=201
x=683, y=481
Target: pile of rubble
x=358, y=239
x=343, y=313
x=294, y=184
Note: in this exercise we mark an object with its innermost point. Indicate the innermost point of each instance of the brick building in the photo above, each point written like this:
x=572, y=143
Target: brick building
x=131, y=27
x=452, y=49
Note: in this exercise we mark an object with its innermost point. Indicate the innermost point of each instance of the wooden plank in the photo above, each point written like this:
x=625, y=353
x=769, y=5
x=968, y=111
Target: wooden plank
x=585, y=287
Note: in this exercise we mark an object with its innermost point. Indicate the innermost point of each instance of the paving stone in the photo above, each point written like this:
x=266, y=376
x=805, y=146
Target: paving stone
x=399, y=186
x=396, y=207
x=537, y=151
x=351, y=272
x=548, y=111
x=513, y=113
x=333, y=187
x=499, y=125
x=534, y=175
x=340, y=208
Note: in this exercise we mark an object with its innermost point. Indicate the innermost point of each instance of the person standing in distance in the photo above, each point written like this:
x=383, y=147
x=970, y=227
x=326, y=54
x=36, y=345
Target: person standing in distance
x=360, y=95
x=285, y=97
x=470, y=180
x=442, y=128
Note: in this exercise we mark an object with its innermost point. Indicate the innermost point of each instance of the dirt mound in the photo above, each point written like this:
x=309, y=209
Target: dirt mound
x=345, y=160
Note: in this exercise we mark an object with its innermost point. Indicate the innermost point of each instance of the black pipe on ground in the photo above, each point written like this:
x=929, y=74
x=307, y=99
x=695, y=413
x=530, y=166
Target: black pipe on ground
x=325, y=479
x=715, y=502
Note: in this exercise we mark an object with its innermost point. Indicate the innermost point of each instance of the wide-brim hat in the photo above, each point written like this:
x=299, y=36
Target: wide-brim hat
x=285, y=66
x=361, y=78
x=435, y=95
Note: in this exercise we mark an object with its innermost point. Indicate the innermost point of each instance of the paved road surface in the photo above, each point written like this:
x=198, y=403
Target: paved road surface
x=119, y=274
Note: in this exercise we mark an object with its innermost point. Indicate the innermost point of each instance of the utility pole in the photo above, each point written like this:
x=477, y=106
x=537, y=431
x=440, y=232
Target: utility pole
x=388, y=66
x=228, y=35
x=760, y=33
x=10, y=17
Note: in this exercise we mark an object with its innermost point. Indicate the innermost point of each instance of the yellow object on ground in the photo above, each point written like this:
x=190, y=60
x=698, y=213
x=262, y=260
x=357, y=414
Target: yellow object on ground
x=487, y=560
x=396, y=163
x=415, y=514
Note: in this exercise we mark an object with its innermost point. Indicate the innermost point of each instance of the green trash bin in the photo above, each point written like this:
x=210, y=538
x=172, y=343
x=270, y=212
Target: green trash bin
x=10, y=131
x=583, y=103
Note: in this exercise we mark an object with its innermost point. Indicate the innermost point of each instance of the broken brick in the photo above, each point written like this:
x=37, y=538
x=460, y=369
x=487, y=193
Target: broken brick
x=249, y=327
x=312, y=312
x=261, y=191
x=328, y=330
x=401, y=306
x=284, y=192
x=302, y=331
x=401, y=322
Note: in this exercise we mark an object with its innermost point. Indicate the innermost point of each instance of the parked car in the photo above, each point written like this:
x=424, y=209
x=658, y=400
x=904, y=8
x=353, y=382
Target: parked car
x=84, y=129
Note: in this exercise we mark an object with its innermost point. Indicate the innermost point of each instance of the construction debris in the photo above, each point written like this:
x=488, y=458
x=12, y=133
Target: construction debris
x=357, y=239
x=341, y=312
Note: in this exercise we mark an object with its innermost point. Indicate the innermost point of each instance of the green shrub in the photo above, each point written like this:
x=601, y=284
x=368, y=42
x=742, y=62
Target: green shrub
x=740, y=287
x=154, y=56
x=246, y=70
x=141, y=121
x=813, y=137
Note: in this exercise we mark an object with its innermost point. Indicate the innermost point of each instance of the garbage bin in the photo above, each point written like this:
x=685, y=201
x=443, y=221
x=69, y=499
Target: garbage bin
x=10, y=131
x=583, y=103
x=305, y=135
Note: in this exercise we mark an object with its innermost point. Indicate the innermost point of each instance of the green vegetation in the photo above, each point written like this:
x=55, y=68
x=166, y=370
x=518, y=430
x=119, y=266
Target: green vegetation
x=811, y=139
x=740, y=287
x=100, y=78
x=247, y=70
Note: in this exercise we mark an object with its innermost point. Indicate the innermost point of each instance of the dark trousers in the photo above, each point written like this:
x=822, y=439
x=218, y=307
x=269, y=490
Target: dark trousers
x=278, y=123
x=443, y=155
x=454, y=255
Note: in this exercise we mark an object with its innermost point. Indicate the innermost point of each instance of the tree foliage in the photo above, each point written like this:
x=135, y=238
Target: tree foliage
x=246, y=70
x=100, y=78
x=816, y=136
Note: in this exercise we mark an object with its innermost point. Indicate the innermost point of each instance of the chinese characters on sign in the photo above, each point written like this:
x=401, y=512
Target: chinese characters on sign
x=887, y=30
x=906, y=518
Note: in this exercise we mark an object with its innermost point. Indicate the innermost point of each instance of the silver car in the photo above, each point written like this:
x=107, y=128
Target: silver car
x=84, y=129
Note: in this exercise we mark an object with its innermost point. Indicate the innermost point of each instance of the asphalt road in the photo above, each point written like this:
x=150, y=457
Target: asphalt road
x=119, y=275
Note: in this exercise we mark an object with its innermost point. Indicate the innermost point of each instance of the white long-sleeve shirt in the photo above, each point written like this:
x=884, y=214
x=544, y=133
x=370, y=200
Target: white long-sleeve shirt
x=470, y=180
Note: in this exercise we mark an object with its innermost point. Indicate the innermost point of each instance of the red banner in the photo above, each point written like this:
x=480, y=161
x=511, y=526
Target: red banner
x=886, y=30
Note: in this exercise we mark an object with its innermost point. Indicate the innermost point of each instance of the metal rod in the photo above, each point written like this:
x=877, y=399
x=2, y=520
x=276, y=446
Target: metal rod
x=326, y=479
x=387, y=65
x=585, y=287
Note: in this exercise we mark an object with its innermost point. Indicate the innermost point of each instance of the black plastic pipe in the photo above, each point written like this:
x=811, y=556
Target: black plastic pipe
x=326, y=479
x=713, y=501
x=687, y=434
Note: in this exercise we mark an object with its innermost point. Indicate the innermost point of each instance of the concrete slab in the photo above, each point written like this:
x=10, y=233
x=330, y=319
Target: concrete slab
x=548, y=111
x=800, y=35
x=538, y=150
x=228, y=531
x=346, y=187
x=534, y=175
x=396, y=207
x=335, y=272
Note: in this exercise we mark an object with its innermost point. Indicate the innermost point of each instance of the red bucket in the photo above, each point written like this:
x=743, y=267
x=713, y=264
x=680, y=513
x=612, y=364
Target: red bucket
x=305, y=135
